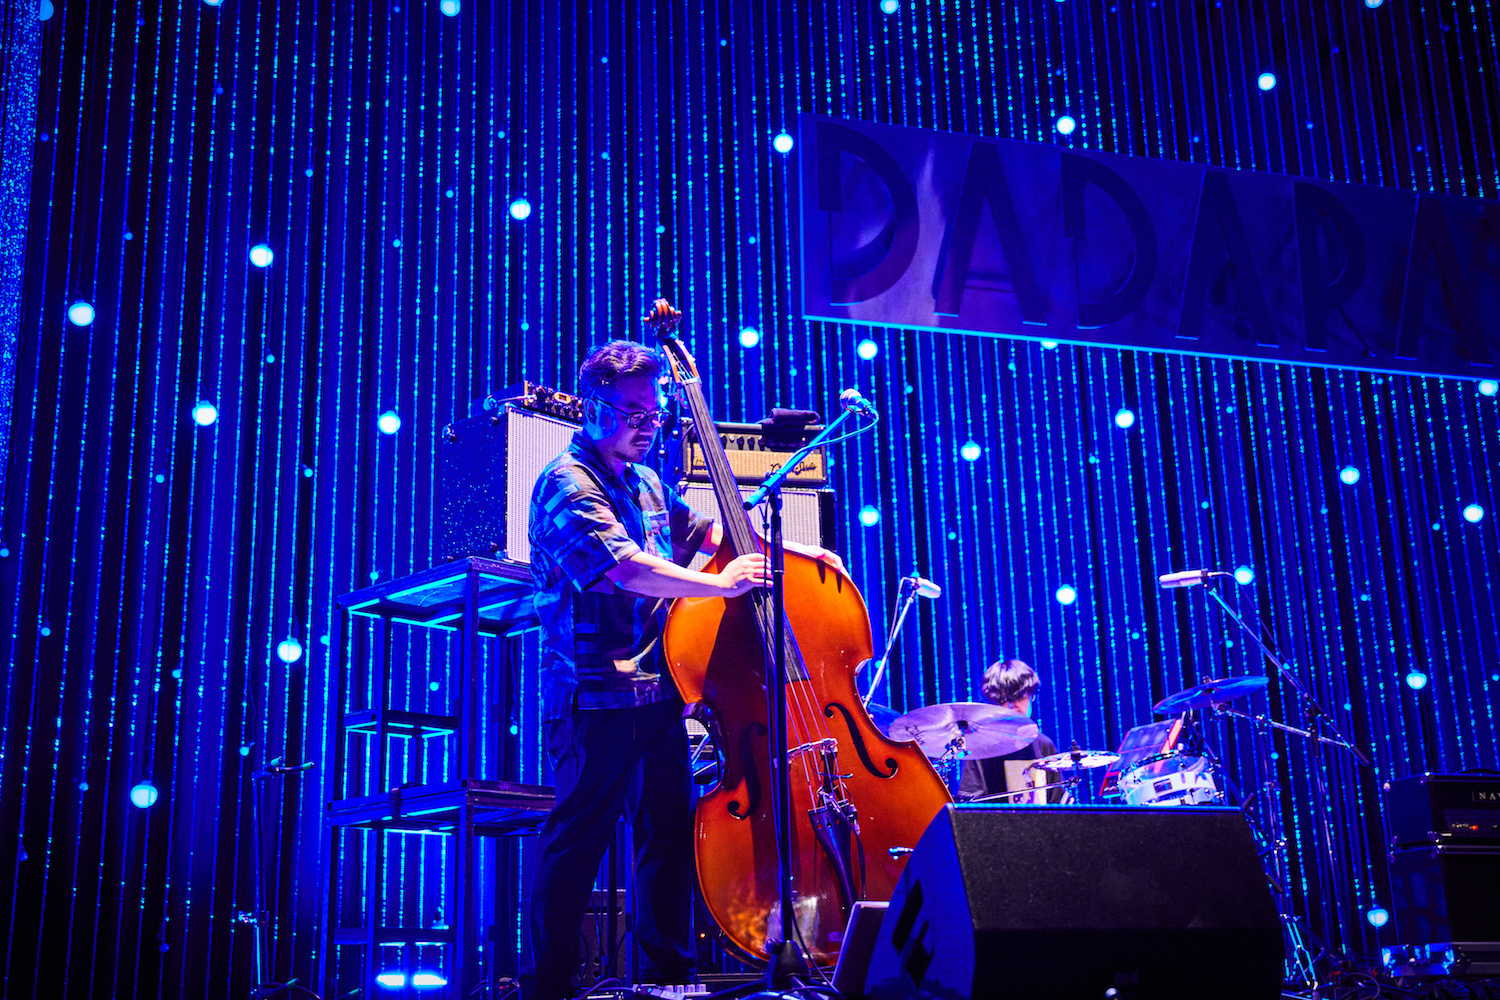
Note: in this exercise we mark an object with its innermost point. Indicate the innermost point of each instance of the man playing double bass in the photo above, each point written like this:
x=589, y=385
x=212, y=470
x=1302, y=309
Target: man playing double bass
x=610, y=546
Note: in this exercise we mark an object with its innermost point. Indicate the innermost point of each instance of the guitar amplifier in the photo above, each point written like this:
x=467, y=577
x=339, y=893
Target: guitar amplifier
x=488, y=465
x=807, y=516
x=1445, y=808
x=752, y=458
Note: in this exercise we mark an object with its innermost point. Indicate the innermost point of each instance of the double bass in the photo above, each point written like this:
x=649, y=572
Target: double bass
x=855, y=794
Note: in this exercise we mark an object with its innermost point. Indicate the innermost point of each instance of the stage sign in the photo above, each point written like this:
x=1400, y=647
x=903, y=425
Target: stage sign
x=914, y=228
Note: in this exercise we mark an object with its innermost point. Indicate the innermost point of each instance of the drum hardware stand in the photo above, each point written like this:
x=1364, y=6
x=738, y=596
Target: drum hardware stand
x=906, y=596
x=1298, y=955
x=260, y=917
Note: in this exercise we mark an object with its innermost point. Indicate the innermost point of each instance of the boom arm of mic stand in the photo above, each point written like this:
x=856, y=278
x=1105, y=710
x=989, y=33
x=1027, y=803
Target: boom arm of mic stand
x=774, y=480
x=1271, y=654
x=907, y=601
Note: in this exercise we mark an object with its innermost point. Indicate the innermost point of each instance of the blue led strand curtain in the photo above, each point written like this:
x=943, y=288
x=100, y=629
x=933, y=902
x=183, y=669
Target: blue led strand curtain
x=460, y=196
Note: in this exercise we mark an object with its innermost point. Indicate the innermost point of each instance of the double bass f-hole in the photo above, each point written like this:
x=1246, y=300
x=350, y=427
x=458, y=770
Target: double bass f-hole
x=859, y=744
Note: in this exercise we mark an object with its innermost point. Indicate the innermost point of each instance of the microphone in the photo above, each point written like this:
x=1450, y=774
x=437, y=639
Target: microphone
x=1189, y=578
x=850, y=399
x=925, y=588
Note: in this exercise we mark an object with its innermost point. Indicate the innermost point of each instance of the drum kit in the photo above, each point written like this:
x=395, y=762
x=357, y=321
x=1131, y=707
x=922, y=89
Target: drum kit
x=1188, y=774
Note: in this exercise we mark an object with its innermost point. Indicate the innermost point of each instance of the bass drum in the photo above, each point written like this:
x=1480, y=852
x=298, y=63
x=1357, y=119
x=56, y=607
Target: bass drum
x=1171, y=779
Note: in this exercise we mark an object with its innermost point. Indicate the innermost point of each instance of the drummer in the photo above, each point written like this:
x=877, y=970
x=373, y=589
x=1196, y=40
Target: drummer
x=1013, y=685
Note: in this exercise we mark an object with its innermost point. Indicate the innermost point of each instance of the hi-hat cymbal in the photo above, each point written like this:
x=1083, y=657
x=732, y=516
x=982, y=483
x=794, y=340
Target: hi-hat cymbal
x=1210, y=693
x=1084, y=759
x=985, y=730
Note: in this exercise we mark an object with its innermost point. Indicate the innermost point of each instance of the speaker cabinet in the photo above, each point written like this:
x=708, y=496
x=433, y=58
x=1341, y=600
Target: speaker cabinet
x=1447, y=894
x=488, y=466
x=1066, y=903
x=806, y=515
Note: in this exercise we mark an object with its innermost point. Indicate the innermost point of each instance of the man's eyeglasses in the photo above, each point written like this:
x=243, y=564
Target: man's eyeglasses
x=637, y=420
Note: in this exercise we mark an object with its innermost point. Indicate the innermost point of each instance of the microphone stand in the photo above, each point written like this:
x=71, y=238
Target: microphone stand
x=1299, y=956
x=787, y=966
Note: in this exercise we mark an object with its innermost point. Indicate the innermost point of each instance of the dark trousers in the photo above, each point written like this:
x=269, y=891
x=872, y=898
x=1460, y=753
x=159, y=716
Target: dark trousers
x=606, y=760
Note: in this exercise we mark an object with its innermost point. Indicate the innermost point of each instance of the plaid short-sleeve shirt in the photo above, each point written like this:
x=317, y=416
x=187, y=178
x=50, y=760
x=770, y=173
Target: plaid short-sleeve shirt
x=600, y=643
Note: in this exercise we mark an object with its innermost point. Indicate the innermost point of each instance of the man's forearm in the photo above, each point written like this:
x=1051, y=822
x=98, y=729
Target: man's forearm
x=652, y=576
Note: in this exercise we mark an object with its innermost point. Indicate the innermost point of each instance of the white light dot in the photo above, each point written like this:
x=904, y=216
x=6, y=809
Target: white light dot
x=1473, y=513
x=427, y=980
x=160, y=478
x=389, y=422
x=205, y=413
x=143, y=795
x=970, y=451
x=1488, y=387
x=80, y=313
x=783, y=143
x=392, y=980
x=1244, y=575
x=867, y=349
x=1049, y=345
x=433, y=685
x=1066, y=594
x=1124, y=418
x=1065, y=124
x=869, y=516
x=289, y=650
x=83, y=786
x=749, y=337
x=1348, y=475
x=449, y=8
x=1372, y=4
x=1266, y=81
x=212, y=3
x=1376, y=915
x=261, y=255
x=520, y=210
x=1416, y=680
x=244, y=751
x=889, y=6
x=44, y=10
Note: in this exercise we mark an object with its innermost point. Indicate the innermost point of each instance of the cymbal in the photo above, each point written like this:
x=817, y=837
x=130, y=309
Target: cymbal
x=1210, y=693
x=882, y=716
x=1086, y=759
x=986, y=730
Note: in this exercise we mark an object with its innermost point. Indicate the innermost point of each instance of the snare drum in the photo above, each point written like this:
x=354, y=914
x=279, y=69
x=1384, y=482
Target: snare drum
x=1170, y=779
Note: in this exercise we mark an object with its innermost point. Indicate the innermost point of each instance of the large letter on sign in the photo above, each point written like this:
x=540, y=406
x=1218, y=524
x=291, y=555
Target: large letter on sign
x=1431, y=241
x=1319, y=297
x=1219, y=225
x=879, y=264
x=984, y=181
x=1076, y=171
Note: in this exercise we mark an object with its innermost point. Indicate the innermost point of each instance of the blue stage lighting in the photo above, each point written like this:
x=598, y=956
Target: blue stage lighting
x=1348, y=475
x=1065, y=124
x=289, y=650
x=1488, y=387
x=1377, y=915
x=1124, y=418
x=970, y=451
x=1266, y=81
x=212, y=3
x=515, y=730
x=389, y=422
x=520, y=210
x=749, y=337
x=205, y=413
x=1372, y=4
x=1416, y=680
x=782, y=143
x=244, y=751
x=44, y=10
x=1049, y=345
x=143, y=795
x=1244, y=575
x=869, y=516
x=1066, y=594
x=867, y=349
x=80, y=313
x=449, y=8
x=261, y=255
x=1473, y=513
x=889, y=6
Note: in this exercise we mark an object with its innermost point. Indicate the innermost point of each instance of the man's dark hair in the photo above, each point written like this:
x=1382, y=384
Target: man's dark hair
x=1007, y=680
x=608, y=363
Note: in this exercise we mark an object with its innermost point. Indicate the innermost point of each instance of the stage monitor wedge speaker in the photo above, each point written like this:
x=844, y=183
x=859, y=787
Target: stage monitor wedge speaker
x=1066, y=903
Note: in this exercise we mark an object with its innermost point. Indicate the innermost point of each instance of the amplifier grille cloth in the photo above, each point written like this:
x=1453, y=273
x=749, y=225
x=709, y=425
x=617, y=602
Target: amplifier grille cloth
x=801, y=520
